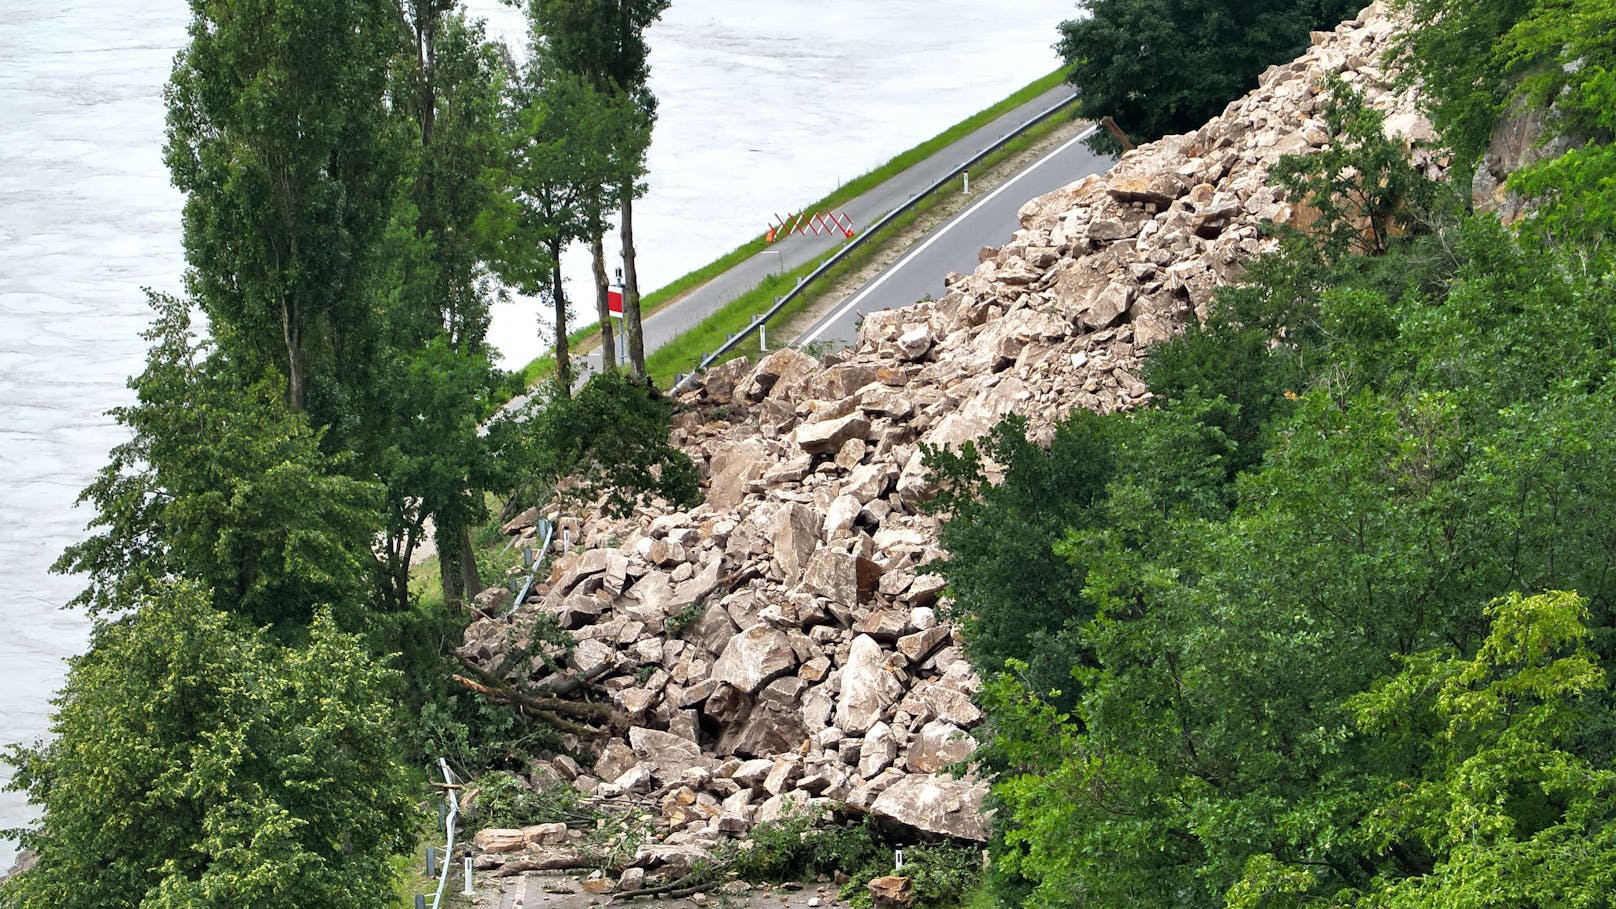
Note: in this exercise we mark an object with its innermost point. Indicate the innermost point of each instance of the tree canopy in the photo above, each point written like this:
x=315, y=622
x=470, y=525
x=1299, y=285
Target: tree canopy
x=197, y=763
x=1167, y=66
x=1330, y=623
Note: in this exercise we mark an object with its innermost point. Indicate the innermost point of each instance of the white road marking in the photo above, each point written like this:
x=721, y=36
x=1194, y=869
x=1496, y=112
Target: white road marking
x=858, y=298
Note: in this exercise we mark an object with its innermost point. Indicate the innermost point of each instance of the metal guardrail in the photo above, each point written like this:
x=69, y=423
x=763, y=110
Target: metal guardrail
x=450, y=820
x=759, y=321
x=537, y=561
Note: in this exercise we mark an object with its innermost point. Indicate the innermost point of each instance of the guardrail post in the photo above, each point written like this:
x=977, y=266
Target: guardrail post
x=431, y=861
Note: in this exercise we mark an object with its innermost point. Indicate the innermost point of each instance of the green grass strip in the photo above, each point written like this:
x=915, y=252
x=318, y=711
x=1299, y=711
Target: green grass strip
x=543, y=367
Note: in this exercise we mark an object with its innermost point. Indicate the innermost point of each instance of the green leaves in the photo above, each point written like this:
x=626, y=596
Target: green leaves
x=1511, y=811
x=1361, y=184
x=610, y=440
x=1166, y=66
x=222, y=484
x=194, y=762
x=1276, y=682
x=280, y=140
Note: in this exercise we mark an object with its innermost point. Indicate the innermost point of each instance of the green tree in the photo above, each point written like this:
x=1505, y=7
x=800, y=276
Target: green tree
x=1508, y=801
x=1013, y=600
x=611, y=439
x=280, y=139
x=1166, y=66
x=195, y=763
x=603, y=42
x=221, y=482
x=565, y=138
x=423, y=423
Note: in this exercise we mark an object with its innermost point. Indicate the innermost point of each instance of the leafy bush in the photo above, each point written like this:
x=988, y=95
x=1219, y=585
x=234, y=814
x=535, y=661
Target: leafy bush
x=196, y=762
x=506, y=800
x=687, y=616
x=611, y=438
x=794, y=848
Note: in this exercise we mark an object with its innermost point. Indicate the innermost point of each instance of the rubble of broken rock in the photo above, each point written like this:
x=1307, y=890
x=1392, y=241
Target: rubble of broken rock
x=778, y=645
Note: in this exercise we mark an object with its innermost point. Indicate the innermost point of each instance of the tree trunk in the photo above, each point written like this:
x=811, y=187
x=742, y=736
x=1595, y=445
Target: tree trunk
x=292, y=336
x=470, y=578
x=608, y=343
x=633, y=332
x=448, y=573
x=563, y=360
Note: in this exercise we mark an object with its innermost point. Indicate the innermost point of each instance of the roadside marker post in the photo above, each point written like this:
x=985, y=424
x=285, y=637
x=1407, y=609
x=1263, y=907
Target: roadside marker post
x=614, y=308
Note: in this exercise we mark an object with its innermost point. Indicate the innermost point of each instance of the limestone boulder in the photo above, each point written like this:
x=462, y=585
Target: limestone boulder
x=499, y=839
x=667, y=755
x=769, y=728
x=877, y=750
x=794, y=532
x=754, y=658
x=935, y=805
x=827, y=436
x=781, y=374
x=834, y=575
x=734, y=466
x=868, y=687
x=938, y=744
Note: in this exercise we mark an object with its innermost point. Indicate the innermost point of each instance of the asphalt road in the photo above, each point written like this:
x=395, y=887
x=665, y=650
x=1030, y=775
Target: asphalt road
x=790, y=252
x=954, y=246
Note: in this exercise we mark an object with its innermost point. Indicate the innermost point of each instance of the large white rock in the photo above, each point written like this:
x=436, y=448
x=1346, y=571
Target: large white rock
x=794, y=531
x=827, y=436
x=754, y=658
x=935, y=805
x=667, y=754
x=868, y=687
x=938, y=745
x=877, y=751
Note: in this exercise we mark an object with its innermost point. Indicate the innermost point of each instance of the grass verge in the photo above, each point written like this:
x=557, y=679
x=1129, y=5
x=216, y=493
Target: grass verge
x=544, y=367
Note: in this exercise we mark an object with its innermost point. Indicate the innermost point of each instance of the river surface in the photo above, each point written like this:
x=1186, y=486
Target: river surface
x=764, y=105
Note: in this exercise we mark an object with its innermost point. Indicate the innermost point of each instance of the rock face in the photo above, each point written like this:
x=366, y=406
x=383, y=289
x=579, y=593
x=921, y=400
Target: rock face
x=777, y=645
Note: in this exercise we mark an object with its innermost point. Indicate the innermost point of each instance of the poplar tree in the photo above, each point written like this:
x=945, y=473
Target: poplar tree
x=604, y=42
x=442, y=385
x=564, y=157
x=279, y=138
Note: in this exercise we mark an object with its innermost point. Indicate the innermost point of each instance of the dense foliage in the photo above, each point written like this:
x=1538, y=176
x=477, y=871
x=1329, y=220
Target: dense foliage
x=197, y=763
x=223, y=483
x=1331, y=622
x=1167, y=66
x=609, y=440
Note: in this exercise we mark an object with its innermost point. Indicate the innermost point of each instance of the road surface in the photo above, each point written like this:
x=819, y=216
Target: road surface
x=791, y=252
x=954, y=246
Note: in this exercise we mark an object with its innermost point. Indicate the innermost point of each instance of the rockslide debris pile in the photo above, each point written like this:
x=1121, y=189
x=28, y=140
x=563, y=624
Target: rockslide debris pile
x=776, y=645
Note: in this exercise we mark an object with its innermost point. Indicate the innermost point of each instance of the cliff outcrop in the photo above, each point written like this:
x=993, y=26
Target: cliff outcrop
x=779, y=645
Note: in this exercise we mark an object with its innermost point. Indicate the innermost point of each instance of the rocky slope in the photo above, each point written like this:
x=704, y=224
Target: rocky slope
x=777, y=644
